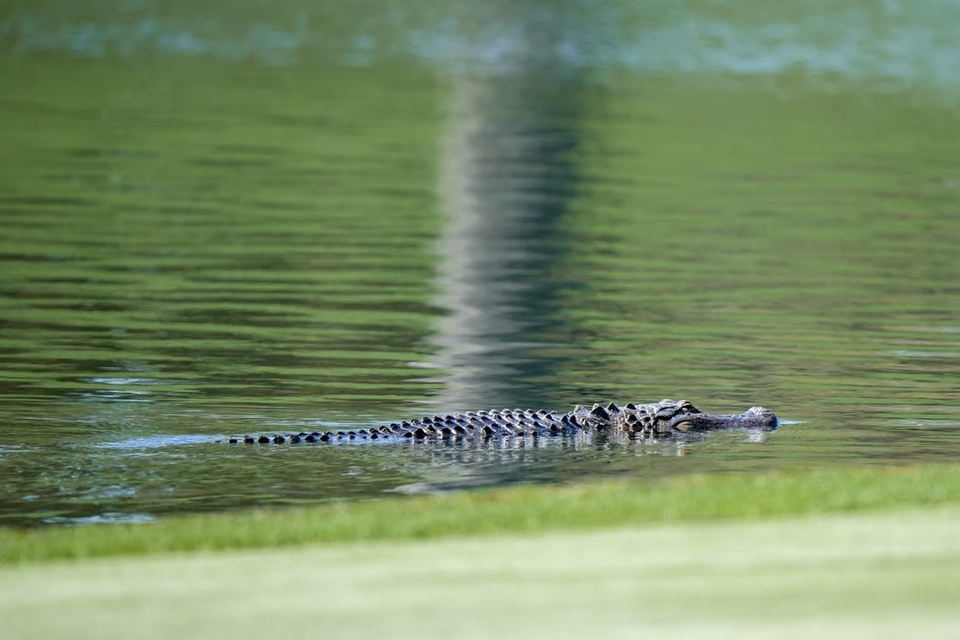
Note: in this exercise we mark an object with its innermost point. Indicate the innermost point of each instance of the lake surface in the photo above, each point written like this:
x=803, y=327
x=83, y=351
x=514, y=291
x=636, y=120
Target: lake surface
x=219, y=220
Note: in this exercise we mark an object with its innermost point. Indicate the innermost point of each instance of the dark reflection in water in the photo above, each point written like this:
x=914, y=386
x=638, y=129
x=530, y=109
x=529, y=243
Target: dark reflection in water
x=507, y=174
x=528, y=207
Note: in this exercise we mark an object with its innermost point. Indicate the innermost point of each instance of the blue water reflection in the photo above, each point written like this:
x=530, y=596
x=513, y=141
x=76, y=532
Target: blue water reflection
x=907, y=44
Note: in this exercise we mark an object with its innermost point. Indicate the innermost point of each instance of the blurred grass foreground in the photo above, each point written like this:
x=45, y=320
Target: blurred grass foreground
x=870, y=551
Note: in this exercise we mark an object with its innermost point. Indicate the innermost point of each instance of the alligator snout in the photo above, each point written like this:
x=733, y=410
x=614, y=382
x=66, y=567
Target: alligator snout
x=752, y=418
x=766, y=418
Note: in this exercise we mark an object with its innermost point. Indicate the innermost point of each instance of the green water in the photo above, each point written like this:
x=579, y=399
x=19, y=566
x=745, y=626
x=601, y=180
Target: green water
x=328, y=231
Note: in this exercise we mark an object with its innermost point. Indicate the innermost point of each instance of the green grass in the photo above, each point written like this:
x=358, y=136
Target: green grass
x=506, y=511
x=853, y=553
x=887, y=574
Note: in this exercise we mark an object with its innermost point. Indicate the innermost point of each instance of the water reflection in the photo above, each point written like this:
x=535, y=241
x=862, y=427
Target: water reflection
x=508, y=172
x=102, y=518
x=904, y=45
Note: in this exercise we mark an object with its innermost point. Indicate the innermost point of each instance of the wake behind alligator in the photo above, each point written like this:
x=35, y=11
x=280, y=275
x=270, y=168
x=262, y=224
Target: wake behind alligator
x=645, y=421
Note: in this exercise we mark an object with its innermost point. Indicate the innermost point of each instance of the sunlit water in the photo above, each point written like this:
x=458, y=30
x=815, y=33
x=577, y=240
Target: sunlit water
x=269, y=223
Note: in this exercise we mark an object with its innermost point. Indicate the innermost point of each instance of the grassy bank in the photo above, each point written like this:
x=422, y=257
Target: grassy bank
x=527, y=510
x=886, y=574
x=862, y=553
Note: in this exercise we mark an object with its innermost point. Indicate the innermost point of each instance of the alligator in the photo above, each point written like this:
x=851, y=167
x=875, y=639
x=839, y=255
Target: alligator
x=645, y=421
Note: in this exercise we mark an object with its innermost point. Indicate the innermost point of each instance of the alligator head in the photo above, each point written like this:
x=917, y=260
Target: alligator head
x=668, y=416
x=693, y=419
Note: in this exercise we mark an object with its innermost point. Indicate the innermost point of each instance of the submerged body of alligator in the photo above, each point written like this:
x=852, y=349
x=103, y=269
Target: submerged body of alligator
x=643, y=421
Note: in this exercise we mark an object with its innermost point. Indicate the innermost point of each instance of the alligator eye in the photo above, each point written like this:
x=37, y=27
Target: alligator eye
x=687, y=407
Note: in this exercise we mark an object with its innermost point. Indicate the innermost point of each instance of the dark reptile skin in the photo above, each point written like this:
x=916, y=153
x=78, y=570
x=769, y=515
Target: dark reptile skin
x=646, y=420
